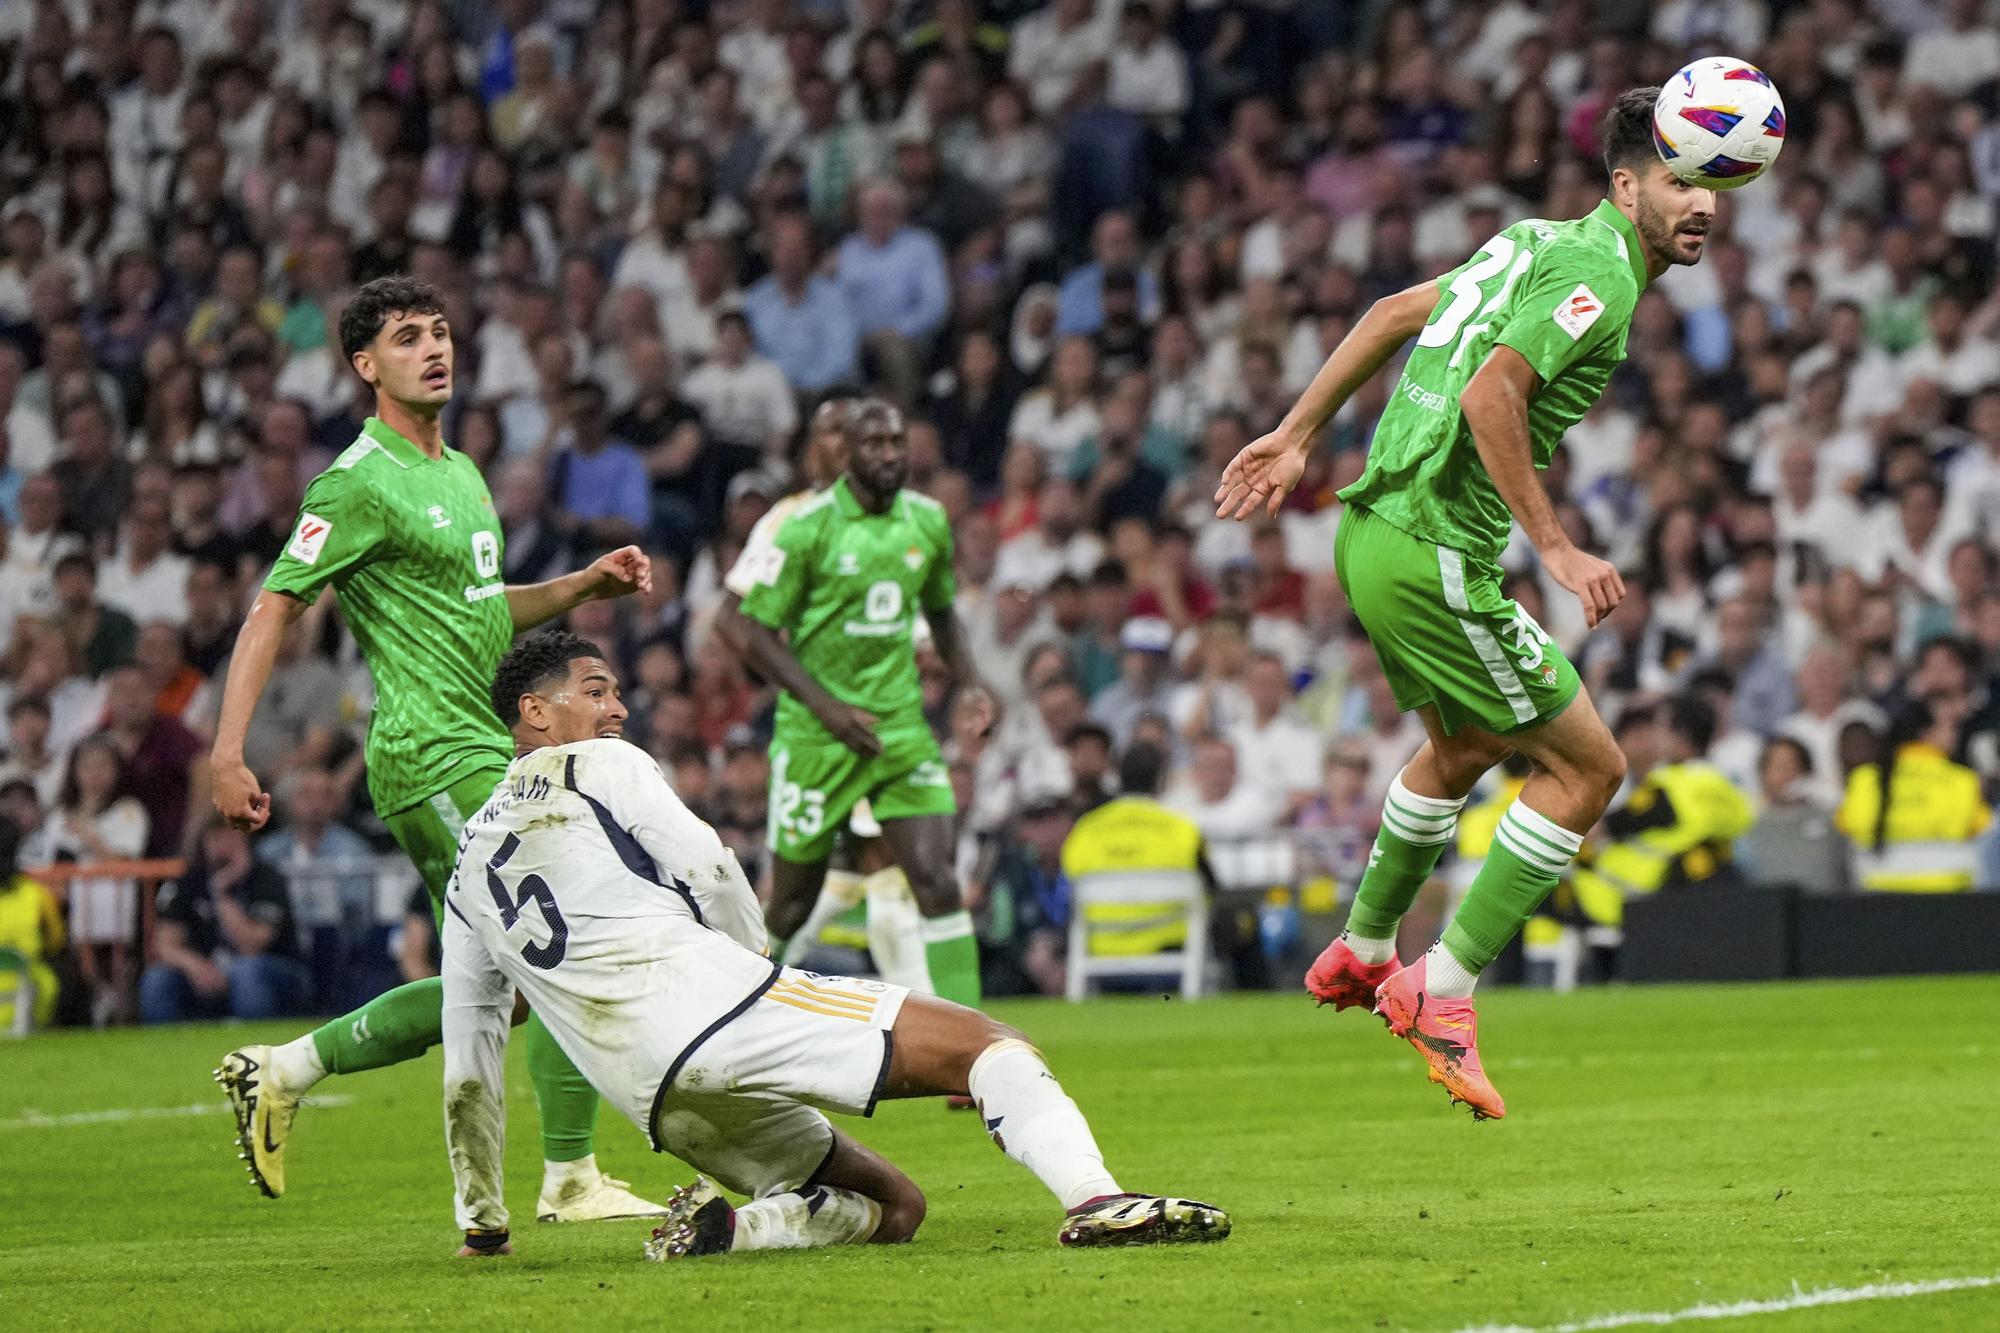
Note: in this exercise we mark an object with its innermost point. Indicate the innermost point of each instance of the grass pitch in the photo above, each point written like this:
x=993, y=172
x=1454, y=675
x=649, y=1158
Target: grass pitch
x=1664, y=1149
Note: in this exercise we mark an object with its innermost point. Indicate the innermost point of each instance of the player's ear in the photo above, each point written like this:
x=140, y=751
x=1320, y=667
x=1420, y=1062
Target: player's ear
x=534, y=711
x=364, y=366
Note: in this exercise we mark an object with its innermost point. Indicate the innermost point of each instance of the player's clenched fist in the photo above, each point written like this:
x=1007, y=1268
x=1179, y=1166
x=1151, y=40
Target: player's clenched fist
x=239, y=797
x=1263, y=474
x=1595, y=582
x=625, y=570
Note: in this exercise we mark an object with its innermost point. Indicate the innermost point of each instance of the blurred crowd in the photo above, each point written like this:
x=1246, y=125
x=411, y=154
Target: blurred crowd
x=1094, y=247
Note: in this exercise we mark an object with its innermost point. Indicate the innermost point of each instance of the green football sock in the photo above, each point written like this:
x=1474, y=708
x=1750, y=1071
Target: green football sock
x=1529, y=854
x=1415, y=831
x=567, y=1101
x=395, y=1026
x=952, y=953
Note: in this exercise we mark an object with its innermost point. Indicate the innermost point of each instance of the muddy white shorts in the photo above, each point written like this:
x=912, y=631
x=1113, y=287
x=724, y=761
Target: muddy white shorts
x=744, y=1103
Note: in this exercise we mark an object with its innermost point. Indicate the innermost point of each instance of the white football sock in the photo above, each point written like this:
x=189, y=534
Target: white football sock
x=1034, y=1121
x=896, y=931
x=296, y=1065
x=1445, y=977
x=806, y=1220
x=1370, y=950
x=839, y=891
x=557, y=1174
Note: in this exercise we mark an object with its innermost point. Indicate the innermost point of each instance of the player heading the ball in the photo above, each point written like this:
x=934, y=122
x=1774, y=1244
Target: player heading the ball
x=1512, y=348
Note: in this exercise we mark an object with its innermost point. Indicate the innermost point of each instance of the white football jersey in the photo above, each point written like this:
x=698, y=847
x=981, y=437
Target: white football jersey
x=757, y=562
x=621, y=917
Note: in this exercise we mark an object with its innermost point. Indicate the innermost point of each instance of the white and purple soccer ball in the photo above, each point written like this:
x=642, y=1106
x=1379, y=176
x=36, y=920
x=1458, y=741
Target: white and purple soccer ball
x=1719, y=123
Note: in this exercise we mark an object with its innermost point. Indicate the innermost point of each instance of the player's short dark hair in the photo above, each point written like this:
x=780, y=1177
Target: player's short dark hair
x=867, y=410
x=369, y=311
x=1142, y=769
x=532, y=664
x=1628, y=131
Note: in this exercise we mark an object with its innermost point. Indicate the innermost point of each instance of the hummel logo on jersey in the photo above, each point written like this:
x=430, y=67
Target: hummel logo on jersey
x=913, y=558
x=849, y=563
x=1578, y=311
x=439, y=519
x=309, y=539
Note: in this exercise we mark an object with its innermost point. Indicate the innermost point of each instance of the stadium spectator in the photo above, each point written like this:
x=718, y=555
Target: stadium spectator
x=145, y=578
x=225, y=942
x=30, y=758
x=160, y=759
x=743, y=397
x=311, y=836
x=1794, y=841
x=94, y=821
x=101, y=636
x=1144, y=684
x=895, y=279
x=1023, y=913
x=803, y=321
x=599, y=482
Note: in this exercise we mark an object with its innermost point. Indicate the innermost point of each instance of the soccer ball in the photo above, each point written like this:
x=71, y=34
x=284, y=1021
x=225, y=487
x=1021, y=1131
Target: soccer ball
x=1719, y=123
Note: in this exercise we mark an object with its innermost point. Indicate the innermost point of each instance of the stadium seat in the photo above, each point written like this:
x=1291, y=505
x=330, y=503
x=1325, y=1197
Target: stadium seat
x=1180, y=897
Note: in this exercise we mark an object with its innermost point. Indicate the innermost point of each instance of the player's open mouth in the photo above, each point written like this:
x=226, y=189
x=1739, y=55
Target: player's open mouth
x=437, y=377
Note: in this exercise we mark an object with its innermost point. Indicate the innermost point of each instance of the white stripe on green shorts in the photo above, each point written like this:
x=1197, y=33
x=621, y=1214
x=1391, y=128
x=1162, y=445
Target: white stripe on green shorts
x=447, y=813
x=1451, y=570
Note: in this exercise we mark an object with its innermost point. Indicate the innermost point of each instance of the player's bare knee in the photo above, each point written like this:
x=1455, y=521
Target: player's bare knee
x=902, y=1213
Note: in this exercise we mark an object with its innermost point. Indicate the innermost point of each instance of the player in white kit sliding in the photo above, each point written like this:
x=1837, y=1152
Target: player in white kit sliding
x=585, y=888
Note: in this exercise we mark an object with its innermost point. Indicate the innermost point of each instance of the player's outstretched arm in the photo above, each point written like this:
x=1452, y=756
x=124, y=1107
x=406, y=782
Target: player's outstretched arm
x=1267, y=469
x=478, y=1001
x=625, y=570
x=1495, y=406
x=238, y=796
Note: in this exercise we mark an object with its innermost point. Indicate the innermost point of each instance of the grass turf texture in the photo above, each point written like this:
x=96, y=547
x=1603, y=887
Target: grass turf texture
x=1664, y=1148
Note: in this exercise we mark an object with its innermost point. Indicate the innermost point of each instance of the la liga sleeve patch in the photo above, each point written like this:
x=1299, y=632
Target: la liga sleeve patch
x=1578, y=311
x=309, y=539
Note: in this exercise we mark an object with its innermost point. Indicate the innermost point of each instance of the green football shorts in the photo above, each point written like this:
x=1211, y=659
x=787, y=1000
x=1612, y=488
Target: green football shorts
x=428, y=831
x=816, y=783
x=1445, y=635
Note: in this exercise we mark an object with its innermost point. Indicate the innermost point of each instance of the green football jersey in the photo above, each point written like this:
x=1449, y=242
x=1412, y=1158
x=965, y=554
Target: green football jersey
x=848, y=585
x=1559, y=293
x=412, y=546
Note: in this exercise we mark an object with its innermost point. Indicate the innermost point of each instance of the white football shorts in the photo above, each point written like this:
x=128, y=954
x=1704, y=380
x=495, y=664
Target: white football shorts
x=745, y=1105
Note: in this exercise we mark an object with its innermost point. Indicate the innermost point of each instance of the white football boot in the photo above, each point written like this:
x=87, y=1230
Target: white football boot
x=582, y=1193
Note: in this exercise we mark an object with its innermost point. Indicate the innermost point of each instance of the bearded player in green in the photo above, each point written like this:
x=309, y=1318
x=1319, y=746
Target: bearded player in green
x=402, y=527
x=846, y=576
x=1512, y=347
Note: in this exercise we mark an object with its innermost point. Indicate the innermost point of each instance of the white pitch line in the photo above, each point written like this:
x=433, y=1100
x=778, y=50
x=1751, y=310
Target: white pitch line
x=35, y=1119
x=1798, y=1300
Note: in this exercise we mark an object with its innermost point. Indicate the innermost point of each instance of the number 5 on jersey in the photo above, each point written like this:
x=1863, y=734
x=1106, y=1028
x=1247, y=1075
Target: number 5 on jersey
x=533, y=889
